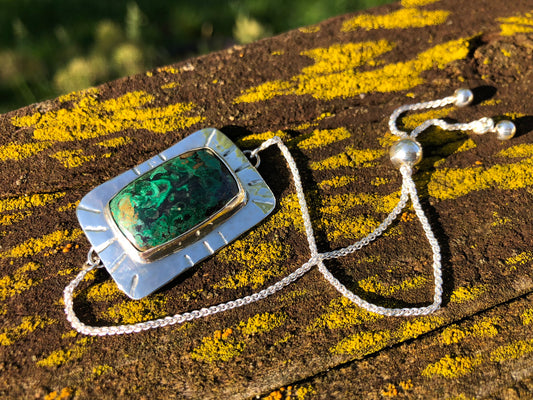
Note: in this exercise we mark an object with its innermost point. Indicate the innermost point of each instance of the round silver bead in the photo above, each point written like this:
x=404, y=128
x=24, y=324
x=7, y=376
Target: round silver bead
x=505, y=130
x=463, y=97
x=405, y=152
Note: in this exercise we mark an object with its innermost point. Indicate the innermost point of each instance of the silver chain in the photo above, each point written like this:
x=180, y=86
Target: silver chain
x=408, y=191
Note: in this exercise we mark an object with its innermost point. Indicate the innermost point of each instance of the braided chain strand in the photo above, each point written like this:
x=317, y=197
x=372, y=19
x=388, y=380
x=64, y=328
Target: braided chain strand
x=413, y=107
x=68, y=293
x=408, y=191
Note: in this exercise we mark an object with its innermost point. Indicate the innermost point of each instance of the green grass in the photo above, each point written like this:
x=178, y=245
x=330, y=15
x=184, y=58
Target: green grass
x=50, y=47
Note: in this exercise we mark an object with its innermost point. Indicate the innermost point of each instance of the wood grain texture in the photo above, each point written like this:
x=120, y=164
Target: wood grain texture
x=327, y=90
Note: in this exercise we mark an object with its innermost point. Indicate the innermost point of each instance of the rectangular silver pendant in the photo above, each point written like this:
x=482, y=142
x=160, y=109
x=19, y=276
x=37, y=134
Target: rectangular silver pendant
x=162, y=217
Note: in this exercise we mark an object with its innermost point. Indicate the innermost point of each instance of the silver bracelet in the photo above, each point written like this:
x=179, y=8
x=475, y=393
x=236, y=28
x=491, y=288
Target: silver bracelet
x=162, y=217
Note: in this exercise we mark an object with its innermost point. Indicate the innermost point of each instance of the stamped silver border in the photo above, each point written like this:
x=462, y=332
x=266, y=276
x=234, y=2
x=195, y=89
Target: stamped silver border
x=137, y=277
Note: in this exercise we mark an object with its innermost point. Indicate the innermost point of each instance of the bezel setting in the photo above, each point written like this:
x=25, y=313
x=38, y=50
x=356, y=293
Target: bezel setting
x=139, y=273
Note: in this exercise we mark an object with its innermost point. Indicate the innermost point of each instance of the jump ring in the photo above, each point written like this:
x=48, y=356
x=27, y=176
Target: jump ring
x=92, y=258
x=252, y=155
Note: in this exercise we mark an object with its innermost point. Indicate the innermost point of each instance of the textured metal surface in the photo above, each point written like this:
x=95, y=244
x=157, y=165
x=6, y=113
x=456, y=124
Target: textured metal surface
x=134, y=275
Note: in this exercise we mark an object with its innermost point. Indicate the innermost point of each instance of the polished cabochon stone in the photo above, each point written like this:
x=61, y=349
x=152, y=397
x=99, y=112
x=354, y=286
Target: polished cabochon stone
x=173, y=198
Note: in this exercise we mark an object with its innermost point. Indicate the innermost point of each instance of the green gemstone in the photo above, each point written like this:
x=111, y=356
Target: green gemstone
x=173, y=198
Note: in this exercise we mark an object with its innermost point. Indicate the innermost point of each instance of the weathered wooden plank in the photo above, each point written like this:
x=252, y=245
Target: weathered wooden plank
x=328, y=91
x=485, y=356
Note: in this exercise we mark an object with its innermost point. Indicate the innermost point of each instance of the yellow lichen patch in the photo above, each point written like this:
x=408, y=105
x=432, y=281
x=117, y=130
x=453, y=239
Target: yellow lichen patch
x=490, y=102
x=89, y=118
x=526, y=257
x=260, y=261
x=103, y=291
x=454, y=334
x=323, y=137
x=69, y=334
x=289, y=215
x=60, y=357
x=338, y=59
x=337, y=181
x=261, y=323
x=219, y=347
x=407, y=216
x=255, y=139
x=305, y=125
x=131, y=312
x=505, y=53
x=333, y=75
x=417, y=327
x=278, y=52
x=462, y=294
x=373, y=284
x=390, y=391
x=17, y=152
x=275, y=395
x=101, y=369
x=417, y=3
x=511, y=351
x=339, y=203
x=520, y=150
x=303, y=391
x=514, y=115
x=310, y=29
x=76, y=96
x=8, y=336
x=401, y=19
x=378, y=181
x=517, y=24
x=468, y=144
x=450, y=183
x=387, y=140
x=527, y=316
x=67, y=271
x=342, y=312
x=284, y=339
x=115, y=142
x=29, y=201
x=65, y=393
x=362, y=343
x=265, y=91
x=170, y=85
x=452, y=367
x=351, y=228
x=72, y=158
x=193, y=294
x=406, y=385
x=69, y=206
x=292, y=295
x=10, y=219
x=168, y=69
x=18, y=282
x=351, y=157
x=498, y=221
x=461, y=396
x=35, y=245
x=290, y=393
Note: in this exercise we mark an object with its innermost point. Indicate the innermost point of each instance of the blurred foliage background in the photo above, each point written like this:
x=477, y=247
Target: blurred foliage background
x=52, y=47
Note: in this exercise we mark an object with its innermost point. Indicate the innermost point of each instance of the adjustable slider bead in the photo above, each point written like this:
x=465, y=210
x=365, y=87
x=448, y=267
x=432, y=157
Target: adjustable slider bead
x=483, y=125
x=505, y=130
x=463, y=97
x=405, y=152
